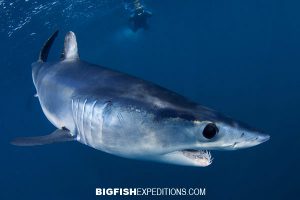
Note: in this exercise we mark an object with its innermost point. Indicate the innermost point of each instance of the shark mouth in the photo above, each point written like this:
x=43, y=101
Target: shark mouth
x=190, y=157
x=201, y=158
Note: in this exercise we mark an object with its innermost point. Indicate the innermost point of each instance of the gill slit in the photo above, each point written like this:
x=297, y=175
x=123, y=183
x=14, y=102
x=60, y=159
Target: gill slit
x=76, y=108
x=82, y=121
x=92, y=117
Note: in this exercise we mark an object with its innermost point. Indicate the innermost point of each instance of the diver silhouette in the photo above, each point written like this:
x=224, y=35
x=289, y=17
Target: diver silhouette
x=139, y=16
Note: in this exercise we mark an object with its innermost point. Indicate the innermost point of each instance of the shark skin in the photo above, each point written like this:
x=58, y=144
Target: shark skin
x=127, y=116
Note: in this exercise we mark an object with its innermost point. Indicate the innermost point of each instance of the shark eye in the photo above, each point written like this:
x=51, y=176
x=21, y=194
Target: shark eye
x=210, y=131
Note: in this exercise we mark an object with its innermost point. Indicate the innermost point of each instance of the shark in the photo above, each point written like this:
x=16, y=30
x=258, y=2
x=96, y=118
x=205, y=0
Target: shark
x=127, y=116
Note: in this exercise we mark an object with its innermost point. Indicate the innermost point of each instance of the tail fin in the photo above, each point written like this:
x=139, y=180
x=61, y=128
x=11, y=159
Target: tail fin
x=60, y=135
x=47, y=46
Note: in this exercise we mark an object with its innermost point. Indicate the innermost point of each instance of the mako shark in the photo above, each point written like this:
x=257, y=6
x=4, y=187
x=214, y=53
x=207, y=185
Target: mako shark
x=127, y=116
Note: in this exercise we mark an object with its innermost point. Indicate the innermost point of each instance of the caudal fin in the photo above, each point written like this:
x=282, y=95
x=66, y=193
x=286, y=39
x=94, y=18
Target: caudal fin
x=47, y=46
x=60, y=135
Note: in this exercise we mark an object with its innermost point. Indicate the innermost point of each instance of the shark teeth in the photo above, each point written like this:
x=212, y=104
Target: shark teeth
x=201, y=158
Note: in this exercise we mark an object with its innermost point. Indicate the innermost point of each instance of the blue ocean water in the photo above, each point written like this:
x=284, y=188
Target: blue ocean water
x=238, y=57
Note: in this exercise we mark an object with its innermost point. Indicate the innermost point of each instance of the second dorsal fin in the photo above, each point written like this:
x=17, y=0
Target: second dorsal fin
x=70, y=51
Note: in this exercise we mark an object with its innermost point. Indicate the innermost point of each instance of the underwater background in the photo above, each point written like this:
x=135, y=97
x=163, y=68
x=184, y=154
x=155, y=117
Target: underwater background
x=238, y=57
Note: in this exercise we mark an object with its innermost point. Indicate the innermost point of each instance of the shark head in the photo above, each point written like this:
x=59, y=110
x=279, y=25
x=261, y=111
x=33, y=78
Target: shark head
x=175, y=135
x=202, y=130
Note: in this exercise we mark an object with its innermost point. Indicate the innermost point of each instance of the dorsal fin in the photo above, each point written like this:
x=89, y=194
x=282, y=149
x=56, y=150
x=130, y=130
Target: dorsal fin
x=70, y=47
x=47, y=46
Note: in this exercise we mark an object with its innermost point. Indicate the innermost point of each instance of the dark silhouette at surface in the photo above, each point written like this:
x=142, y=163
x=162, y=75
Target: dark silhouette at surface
x=139, y=16
x=139, y=19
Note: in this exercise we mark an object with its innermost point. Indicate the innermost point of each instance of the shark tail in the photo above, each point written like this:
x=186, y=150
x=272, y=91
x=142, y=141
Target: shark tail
x=70, y=51
x=47, y=46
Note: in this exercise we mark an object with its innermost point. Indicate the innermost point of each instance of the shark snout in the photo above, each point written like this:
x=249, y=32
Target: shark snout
x=262, y=138
x=250, y=140
x=258, y=138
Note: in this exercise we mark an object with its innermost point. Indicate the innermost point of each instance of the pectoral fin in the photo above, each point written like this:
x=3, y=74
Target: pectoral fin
x=60, y=135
